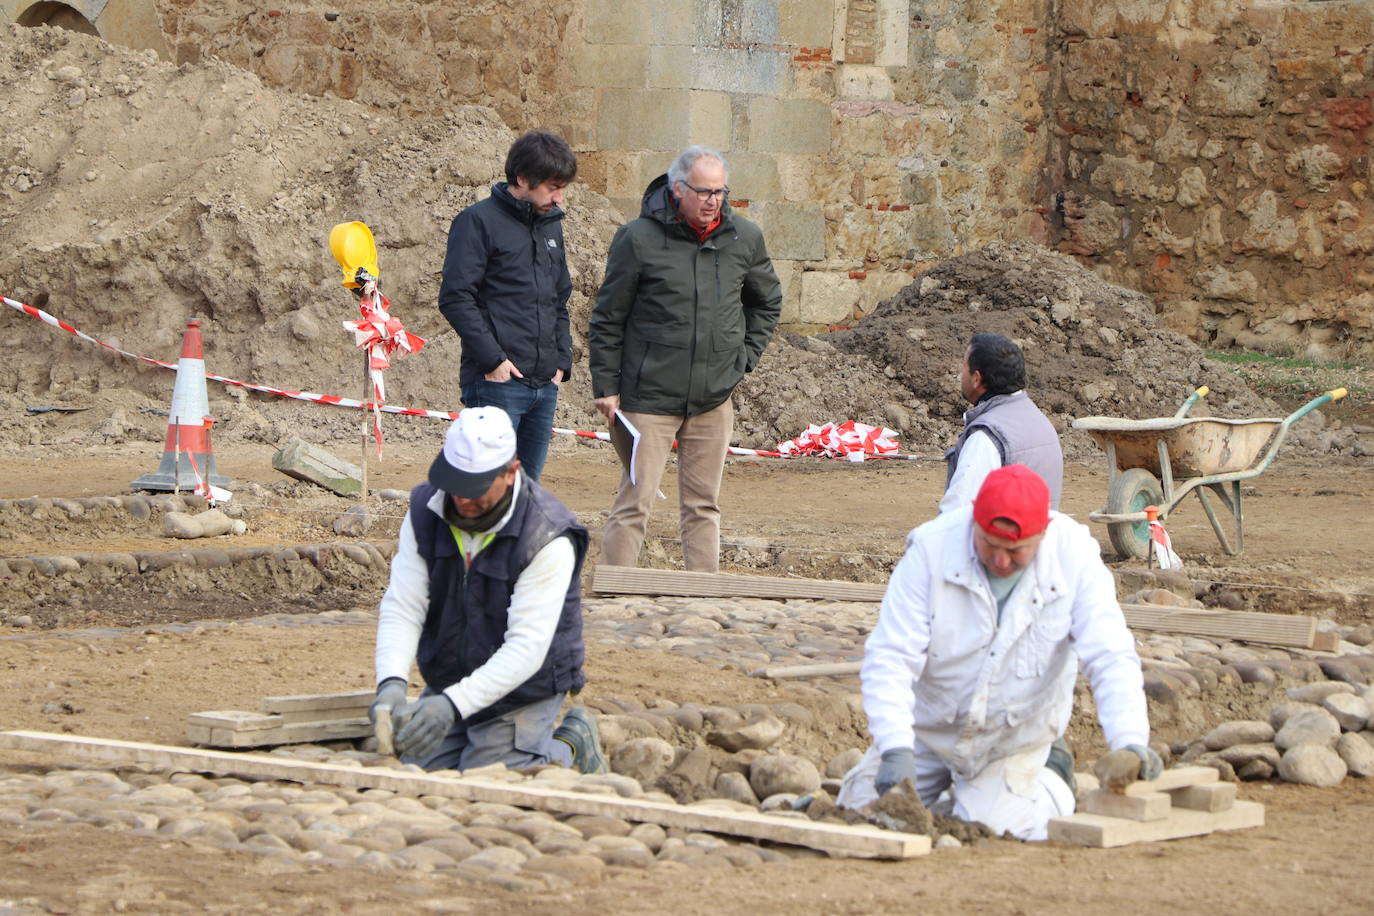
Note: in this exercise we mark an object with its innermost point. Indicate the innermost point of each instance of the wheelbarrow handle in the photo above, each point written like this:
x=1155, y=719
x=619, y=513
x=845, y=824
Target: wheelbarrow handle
x=1192, y=400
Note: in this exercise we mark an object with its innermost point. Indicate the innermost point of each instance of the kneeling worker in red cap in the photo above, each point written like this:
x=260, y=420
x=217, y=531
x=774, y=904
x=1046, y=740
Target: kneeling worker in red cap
x=485, y=597
x=968, y=677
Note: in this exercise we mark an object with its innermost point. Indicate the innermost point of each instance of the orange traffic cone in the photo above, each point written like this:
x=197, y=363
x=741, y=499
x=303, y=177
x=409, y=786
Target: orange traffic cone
x=188, y=461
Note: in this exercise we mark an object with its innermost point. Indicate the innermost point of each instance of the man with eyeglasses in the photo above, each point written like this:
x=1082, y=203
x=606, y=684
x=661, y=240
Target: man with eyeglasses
x=688, y=304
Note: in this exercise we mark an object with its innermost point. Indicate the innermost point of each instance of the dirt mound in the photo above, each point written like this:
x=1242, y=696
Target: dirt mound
x=1091, y=348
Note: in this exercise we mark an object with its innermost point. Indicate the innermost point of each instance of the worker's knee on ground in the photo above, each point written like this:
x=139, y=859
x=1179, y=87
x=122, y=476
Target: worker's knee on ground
x=1024, y=811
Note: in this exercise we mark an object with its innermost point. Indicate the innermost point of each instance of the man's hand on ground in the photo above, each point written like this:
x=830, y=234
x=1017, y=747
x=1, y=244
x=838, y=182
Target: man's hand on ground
x=1151, y=764
x=391, y=693
x=898, y=764
x=503, y=372
x=608, y=405
x=423, y=725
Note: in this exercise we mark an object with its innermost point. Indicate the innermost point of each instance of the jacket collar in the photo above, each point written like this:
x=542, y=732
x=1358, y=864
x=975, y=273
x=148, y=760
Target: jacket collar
x=435, y=503
x=522, y=210
x=962, y=566
x=987, y=402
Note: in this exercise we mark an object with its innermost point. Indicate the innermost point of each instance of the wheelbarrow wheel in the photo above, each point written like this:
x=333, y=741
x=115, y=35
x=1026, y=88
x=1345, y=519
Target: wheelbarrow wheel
x=1132, y=491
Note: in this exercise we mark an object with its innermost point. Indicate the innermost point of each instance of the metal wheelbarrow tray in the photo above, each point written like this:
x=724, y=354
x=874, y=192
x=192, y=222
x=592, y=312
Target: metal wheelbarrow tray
x=1158, y=462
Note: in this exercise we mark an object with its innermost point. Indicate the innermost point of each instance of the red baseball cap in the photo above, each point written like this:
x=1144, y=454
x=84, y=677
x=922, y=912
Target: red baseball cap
x=1017, y=494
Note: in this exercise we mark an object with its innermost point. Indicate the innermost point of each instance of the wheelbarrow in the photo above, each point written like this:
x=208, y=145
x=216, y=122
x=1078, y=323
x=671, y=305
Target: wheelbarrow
x=1158, y=462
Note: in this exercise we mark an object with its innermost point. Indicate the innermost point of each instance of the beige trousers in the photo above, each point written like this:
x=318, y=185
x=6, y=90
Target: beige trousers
x=701, y=444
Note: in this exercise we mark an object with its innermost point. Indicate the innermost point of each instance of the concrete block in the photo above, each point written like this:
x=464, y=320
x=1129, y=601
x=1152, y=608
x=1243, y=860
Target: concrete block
x=1151, y=807
x=303, y=461
x=861, y=81
x=828, y=298
x=789, y=126
x=753, y=71
x=1104, y=832
x=1217, y=796
x=792, y=231
x=806, y=23
x=603, y=66
x=789, y=277
x=662, y=119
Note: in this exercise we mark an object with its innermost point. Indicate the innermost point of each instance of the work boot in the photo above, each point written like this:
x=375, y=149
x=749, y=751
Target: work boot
x=580, y=733
x=1060, y=761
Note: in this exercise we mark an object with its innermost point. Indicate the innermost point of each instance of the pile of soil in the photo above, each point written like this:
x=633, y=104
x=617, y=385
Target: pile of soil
x=1092, y=349
x=138, y=194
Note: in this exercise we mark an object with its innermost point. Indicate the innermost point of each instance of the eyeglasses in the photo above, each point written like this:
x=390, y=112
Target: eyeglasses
x=705, y=194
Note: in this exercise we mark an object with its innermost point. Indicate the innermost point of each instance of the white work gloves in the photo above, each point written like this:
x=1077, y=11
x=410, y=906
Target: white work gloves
x=422, y=726
x=898, y=764
x=1151, y=764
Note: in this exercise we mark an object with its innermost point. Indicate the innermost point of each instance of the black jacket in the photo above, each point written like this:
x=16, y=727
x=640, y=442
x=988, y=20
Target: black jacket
x=506, y=287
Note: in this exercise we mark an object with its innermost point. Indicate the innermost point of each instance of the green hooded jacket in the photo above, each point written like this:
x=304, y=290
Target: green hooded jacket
x=679, y=321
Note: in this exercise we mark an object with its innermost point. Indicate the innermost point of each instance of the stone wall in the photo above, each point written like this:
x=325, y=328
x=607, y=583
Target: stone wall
x=1217, y=156
x=868, y=137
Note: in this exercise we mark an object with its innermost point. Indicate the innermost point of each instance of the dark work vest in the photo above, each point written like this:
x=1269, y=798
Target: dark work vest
x=1023, y=435
x=466, y=621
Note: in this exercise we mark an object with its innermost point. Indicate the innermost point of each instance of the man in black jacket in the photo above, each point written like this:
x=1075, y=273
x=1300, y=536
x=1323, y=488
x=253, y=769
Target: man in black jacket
x=505, y=291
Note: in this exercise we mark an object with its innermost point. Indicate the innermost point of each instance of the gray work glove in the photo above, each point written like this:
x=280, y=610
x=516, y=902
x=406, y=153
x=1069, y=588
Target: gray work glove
x=391, y=693
x=1151, y=764
x=898, y=764
x=422, y=725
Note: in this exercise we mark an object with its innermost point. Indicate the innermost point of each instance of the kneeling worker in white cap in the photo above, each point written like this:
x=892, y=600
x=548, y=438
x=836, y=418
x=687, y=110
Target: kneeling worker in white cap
x=968, y=677
x=485, y=597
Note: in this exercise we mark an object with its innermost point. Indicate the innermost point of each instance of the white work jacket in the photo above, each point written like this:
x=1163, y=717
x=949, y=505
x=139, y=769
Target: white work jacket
x=939, y=668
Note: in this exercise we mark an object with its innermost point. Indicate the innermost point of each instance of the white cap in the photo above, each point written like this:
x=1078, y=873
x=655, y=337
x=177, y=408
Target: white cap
x=477, y=447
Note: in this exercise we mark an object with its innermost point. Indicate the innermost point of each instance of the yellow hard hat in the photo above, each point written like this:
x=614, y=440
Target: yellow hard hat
x=353, y=247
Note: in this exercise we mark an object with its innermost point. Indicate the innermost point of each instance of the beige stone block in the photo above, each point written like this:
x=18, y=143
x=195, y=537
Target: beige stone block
x=792, y=231
x=618, y=22
x=894, y=30
x=860, y=81
x=684, y=22
x=789, y=126
x=753, y=176
x=602, y=66
x=662, y=119
x=789, y=277
x=828, y=298
x=880, y=285
x=806, y=23
x=755, y=72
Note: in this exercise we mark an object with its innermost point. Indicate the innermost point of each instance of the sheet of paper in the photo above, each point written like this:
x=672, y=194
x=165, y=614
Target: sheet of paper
x=625, y=438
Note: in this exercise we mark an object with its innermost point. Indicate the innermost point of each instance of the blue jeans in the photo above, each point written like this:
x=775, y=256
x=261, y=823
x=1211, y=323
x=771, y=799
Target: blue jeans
x=531, y=413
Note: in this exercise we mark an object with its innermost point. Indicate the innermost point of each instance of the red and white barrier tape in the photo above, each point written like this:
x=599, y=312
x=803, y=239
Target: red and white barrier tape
x=382, y=336
x=339, y=401
x=842, y=441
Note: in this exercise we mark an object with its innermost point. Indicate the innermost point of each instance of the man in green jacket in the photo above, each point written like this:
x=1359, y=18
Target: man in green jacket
x=688, y=304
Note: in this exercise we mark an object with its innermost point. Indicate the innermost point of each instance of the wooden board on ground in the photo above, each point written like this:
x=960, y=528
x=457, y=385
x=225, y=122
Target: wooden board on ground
x=1177, y=778
x=1152, y=806
x=1218, y=796
x=1101, y=831
x=628, y=580
x=836, y=839
x=296, y=733
x=827, y=669
x=1250, y=626
x=353, y=700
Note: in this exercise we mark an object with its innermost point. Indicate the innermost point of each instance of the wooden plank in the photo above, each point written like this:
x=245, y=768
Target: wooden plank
x=1152, y=806
x=628, y=580
x=1177, y=778
x=358, y=698
x=245, y=721
x=298, y=733
x=1218, y=796
x=1270, y=629
x=836, y=839
x=827, y=669
x=1102, y=832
